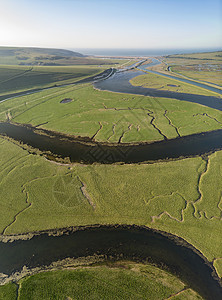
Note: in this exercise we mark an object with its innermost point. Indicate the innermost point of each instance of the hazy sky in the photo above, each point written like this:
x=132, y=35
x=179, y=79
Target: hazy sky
x=111, y=24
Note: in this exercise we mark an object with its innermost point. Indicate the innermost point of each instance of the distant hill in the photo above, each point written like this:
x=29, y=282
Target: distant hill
x=30, y=51
x=37, y=56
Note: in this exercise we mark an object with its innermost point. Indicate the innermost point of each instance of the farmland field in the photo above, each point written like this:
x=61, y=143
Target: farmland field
x=16, y=78
x=19, y=77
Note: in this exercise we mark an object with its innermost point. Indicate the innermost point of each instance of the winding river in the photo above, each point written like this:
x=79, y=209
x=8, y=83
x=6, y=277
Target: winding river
x=115, y=242
x=119, y=82
x=128, y=242
x=88, y=151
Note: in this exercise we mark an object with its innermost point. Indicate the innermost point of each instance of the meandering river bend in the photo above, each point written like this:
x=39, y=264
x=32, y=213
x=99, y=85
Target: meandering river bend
x=116, y=242
x=88, y=152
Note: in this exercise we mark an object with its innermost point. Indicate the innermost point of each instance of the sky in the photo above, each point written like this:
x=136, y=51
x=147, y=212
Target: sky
x=148, y=24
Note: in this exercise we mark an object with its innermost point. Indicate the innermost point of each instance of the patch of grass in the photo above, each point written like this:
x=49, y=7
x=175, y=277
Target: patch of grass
x=218, y=266
x=128, y=62
x=133, y=281
x=192, y=230
x=195, y=121
x=8, y=291
x=17, y=168
x=187, y=294
x=8, y=72
x=209, y=180
x=117, y=114
x=167, y=84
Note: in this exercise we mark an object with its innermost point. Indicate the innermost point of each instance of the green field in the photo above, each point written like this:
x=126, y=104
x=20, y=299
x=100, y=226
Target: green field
x=108, y=116
x=17, y=75
x=180, y=197
x=206, y=67
x=162, y=83
x=17, y=78
x=208, y=76
x=8, y=291
x=115, y=281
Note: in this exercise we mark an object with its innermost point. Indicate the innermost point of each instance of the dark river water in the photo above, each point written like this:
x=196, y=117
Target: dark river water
x=91, y=152
x=132, y=242
x=119, y=82
x=127, y=242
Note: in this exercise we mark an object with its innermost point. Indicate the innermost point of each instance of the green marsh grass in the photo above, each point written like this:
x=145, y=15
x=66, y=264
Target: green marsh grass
x=162, y=83
x=108, y=116
x=164, y=195
x=132, y=281
x=8, y=291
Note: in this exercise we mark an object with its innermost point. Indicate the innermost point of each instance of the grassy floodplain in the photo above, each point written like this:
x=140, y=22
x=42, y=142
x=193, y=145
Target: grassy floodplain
x=162, y=83
x=180, y=197
x=124, y=280
x=110, y=117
